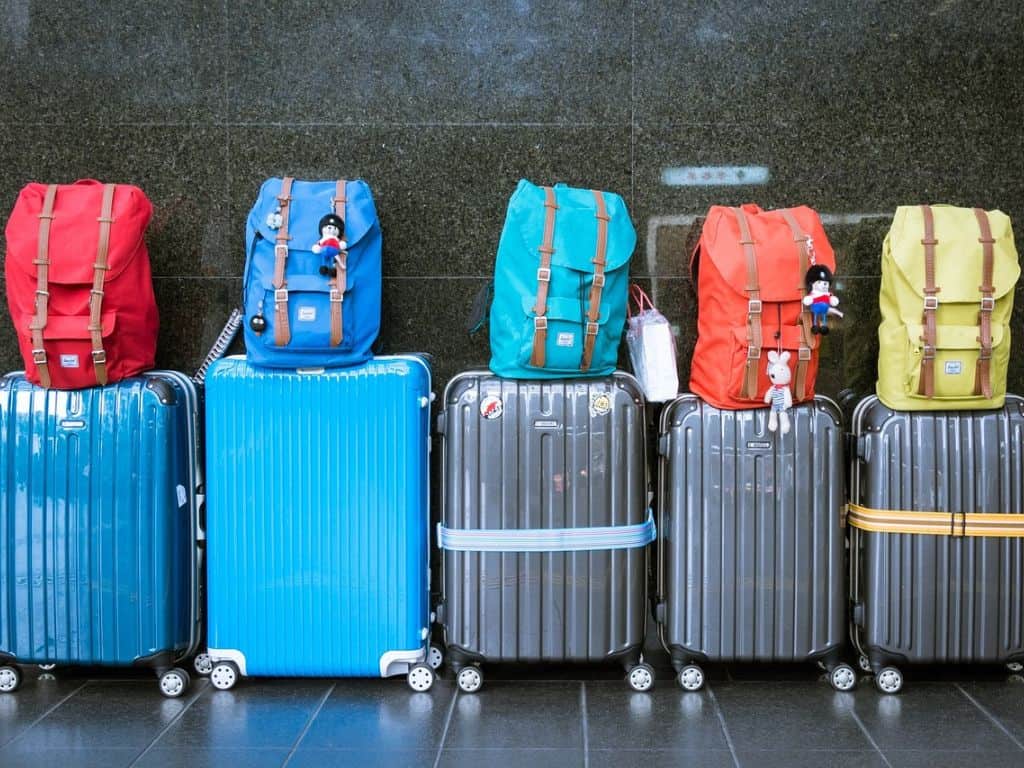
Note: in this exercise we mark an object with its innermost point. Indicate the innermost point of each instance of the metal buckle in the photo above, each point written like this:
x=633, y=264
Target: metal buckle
x=988, y=303
x=42, y=293
x=754, y=307
x=99, y=357
x=931, y=303
x=540, y=323
x=985, y=353
x=281, y=250
x=591, y=329
x=929, y=352
x=599, y=280
x=753, y=353
x=94, y=292
x=804, y=353
x=543, y=275
x=281, y=296
x=39, y=356
x=336, y=296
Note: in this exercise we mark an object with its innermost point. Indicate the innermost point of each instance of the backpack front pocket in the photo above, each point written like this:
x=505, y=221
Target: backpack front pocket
x=309, y=308
x=789, y=341
x=564, y=328
x=955, y=367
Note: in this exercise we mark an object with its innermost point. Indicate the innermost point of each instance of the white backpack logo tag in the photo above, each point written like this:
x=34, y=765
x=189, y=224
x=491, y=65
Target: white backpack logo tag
x=307, y=314
x=69, y=361
x=566, y=340
x=954, y=367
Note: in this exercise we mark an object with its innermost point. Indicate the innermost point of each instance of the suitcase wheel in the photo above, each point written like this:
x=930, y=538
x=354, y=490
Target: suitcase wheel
x=641, y=677
x=470, y=679
x=47, y=667
x=224, y=675
x=864, y=663
x=203, y=664
x=889, y=680
x=174, y=682
x=1015, y=666
x=435, y=656
x=421, y=677
x=10, y=679
x=691, y=678
x=843, y=678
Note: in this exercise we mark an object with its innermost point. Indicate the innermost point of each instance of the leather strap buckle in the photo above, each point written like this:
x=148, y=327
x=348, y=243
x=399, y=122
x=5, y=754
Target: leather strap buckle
x=540, y=323
x=754, y=307
x=281, y=251
x=544, y=275
x=931, y=303
x=39, y=356
x=99, y=357
x=804, y=353
x=336, y=296
x=42, y=293
x=599, y=280
x=985, y=353
x=95, y=292
x=753, y=353
x=988, y=303
x=591, y=329
x=281, y=296
x=929, y=352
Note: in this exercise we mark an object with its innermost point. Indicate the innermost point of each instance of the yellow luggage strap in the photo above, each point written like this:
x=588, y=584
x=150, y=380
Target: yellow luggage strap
x=935, y=523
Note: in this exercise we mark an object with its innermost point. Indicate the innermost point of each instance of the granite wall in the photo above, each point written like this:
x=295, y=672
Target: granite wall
x=852, y=108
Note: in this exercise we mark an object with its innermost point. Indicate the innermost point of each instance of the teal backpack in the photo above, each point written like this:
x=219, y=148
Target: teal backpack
x=561, y=282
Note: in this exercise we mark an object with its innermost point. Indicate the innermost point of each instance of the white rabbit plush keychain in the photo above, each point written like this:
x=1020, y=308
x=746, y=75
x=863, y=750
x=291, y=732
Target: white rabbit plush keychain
x=779, y=395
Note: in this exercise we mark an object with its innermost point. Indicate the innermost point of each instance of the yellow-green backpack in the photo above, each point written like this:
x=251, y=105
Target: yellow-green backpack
x=947, y=293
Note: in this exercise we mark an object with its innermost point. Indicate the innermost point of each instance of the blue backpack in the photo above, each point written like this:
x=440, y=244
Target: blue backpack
x=561, y=282
x=312, y=274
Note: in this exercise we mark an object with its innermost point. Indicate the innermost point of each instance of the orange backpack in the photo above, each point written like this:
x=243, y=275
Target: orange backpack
x=748, y=269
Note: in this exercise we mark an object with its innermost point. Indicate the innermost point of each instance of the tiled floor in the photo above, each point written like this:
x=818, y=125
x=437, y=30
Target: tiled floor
x=782, y=716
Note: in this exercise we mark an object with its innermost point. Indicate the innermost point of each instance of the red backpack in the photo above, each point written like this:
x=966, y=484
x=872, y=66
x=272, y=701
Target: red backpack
x=78, y=283
x=749, y=269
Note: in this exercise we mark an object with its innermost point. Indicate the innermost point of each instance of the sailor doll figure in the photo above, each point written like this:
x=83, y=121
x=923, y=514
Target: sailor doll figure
x=330, y=243
x=819, y=299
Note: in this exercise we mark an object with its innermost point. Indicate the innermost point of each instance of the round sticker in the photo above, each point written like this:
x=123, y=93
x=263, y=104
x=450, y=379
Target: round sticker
x=600, y=404
x=491, y=407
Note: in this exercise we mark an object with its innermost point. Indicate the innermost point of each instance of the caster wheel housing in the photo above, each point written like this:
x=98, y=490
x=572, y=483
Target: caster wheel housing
x=174, y=683
x=470, y=679
x=224, y=675
x=691, y=678
x=843, y=678
x=641, y=677
x=435, y=656
x=889, y=680
x=10, y=679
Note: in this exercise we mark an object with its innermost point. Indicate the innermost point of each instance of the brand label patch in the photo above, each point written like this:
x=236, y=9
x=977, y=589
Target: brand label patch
x=307, y=314
x=954, y=367
x=491, y=407
x=69, y=361
x=566, y=340
x=600, y=404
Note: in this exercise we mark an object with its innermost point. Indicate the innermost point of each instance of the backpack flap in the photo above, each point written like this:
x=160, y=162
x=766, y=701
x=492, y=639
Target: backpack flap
x=310, y=201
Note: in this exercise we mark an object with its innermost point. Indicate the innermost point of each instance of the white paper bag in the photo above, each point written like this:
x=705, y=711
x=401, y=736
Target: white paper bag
x=652, y=348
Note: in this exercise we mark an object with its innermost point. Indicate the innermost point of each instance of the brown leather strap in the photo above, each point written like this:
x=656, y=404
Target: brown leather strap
x=931, y=305
x=540, y=322
x=42, y=263
x=982, y=374
x=337, y=283
x=99, y=275
x=282, y=331
x=807, y=339
x=749, y=389
x=594, y=312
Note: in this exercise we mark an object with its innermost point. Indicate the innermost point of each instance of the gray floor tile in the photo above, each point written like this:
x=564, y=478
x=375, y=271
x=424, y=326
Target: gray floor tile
x=927, y=716
x=22, y=756
x=780, y=716
x=519, y=715
x=375, y=715
x=108, y=714
x=511, y=757
x=1004, y=701
x=256, y=713
x=858, y=758
x=949, y=759
x=618, y=717
x=363, y=758
x=19, y=710
x=660, y=758
x=211, y=757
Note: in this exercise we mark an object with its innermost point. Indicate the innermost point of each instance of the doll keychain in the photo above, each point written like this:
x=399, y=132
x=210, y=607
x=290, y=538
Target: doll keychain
x=330, y=244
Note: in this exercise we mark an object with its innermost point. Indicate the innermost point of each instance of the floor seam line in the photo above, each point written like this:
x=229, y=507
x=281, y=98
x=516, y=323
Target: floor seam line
x=995, y=721
x=309, y=724
x=444, y=733
x=586, y=727
x=725, y=729
x=45, y=714
x=168, y=727
x=867, y=734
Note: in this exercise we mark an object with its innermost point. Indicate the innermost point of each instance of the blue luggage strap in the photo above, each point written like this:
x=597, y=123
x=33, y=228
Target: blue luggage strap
x=547, y=539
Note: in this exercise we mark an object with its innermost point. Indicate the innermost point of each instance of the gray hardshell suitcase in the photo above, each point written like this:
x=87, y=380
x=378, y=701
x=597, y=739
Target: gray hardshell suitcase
x=950, y=589
x=750, y=547
x=545, y=523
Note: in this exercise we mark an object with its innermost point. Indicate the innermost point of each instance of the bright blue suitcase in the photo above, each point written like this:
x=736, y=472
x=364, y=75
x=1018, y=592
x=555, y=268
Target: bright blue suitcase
x=99, y=530
x=317, y=518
